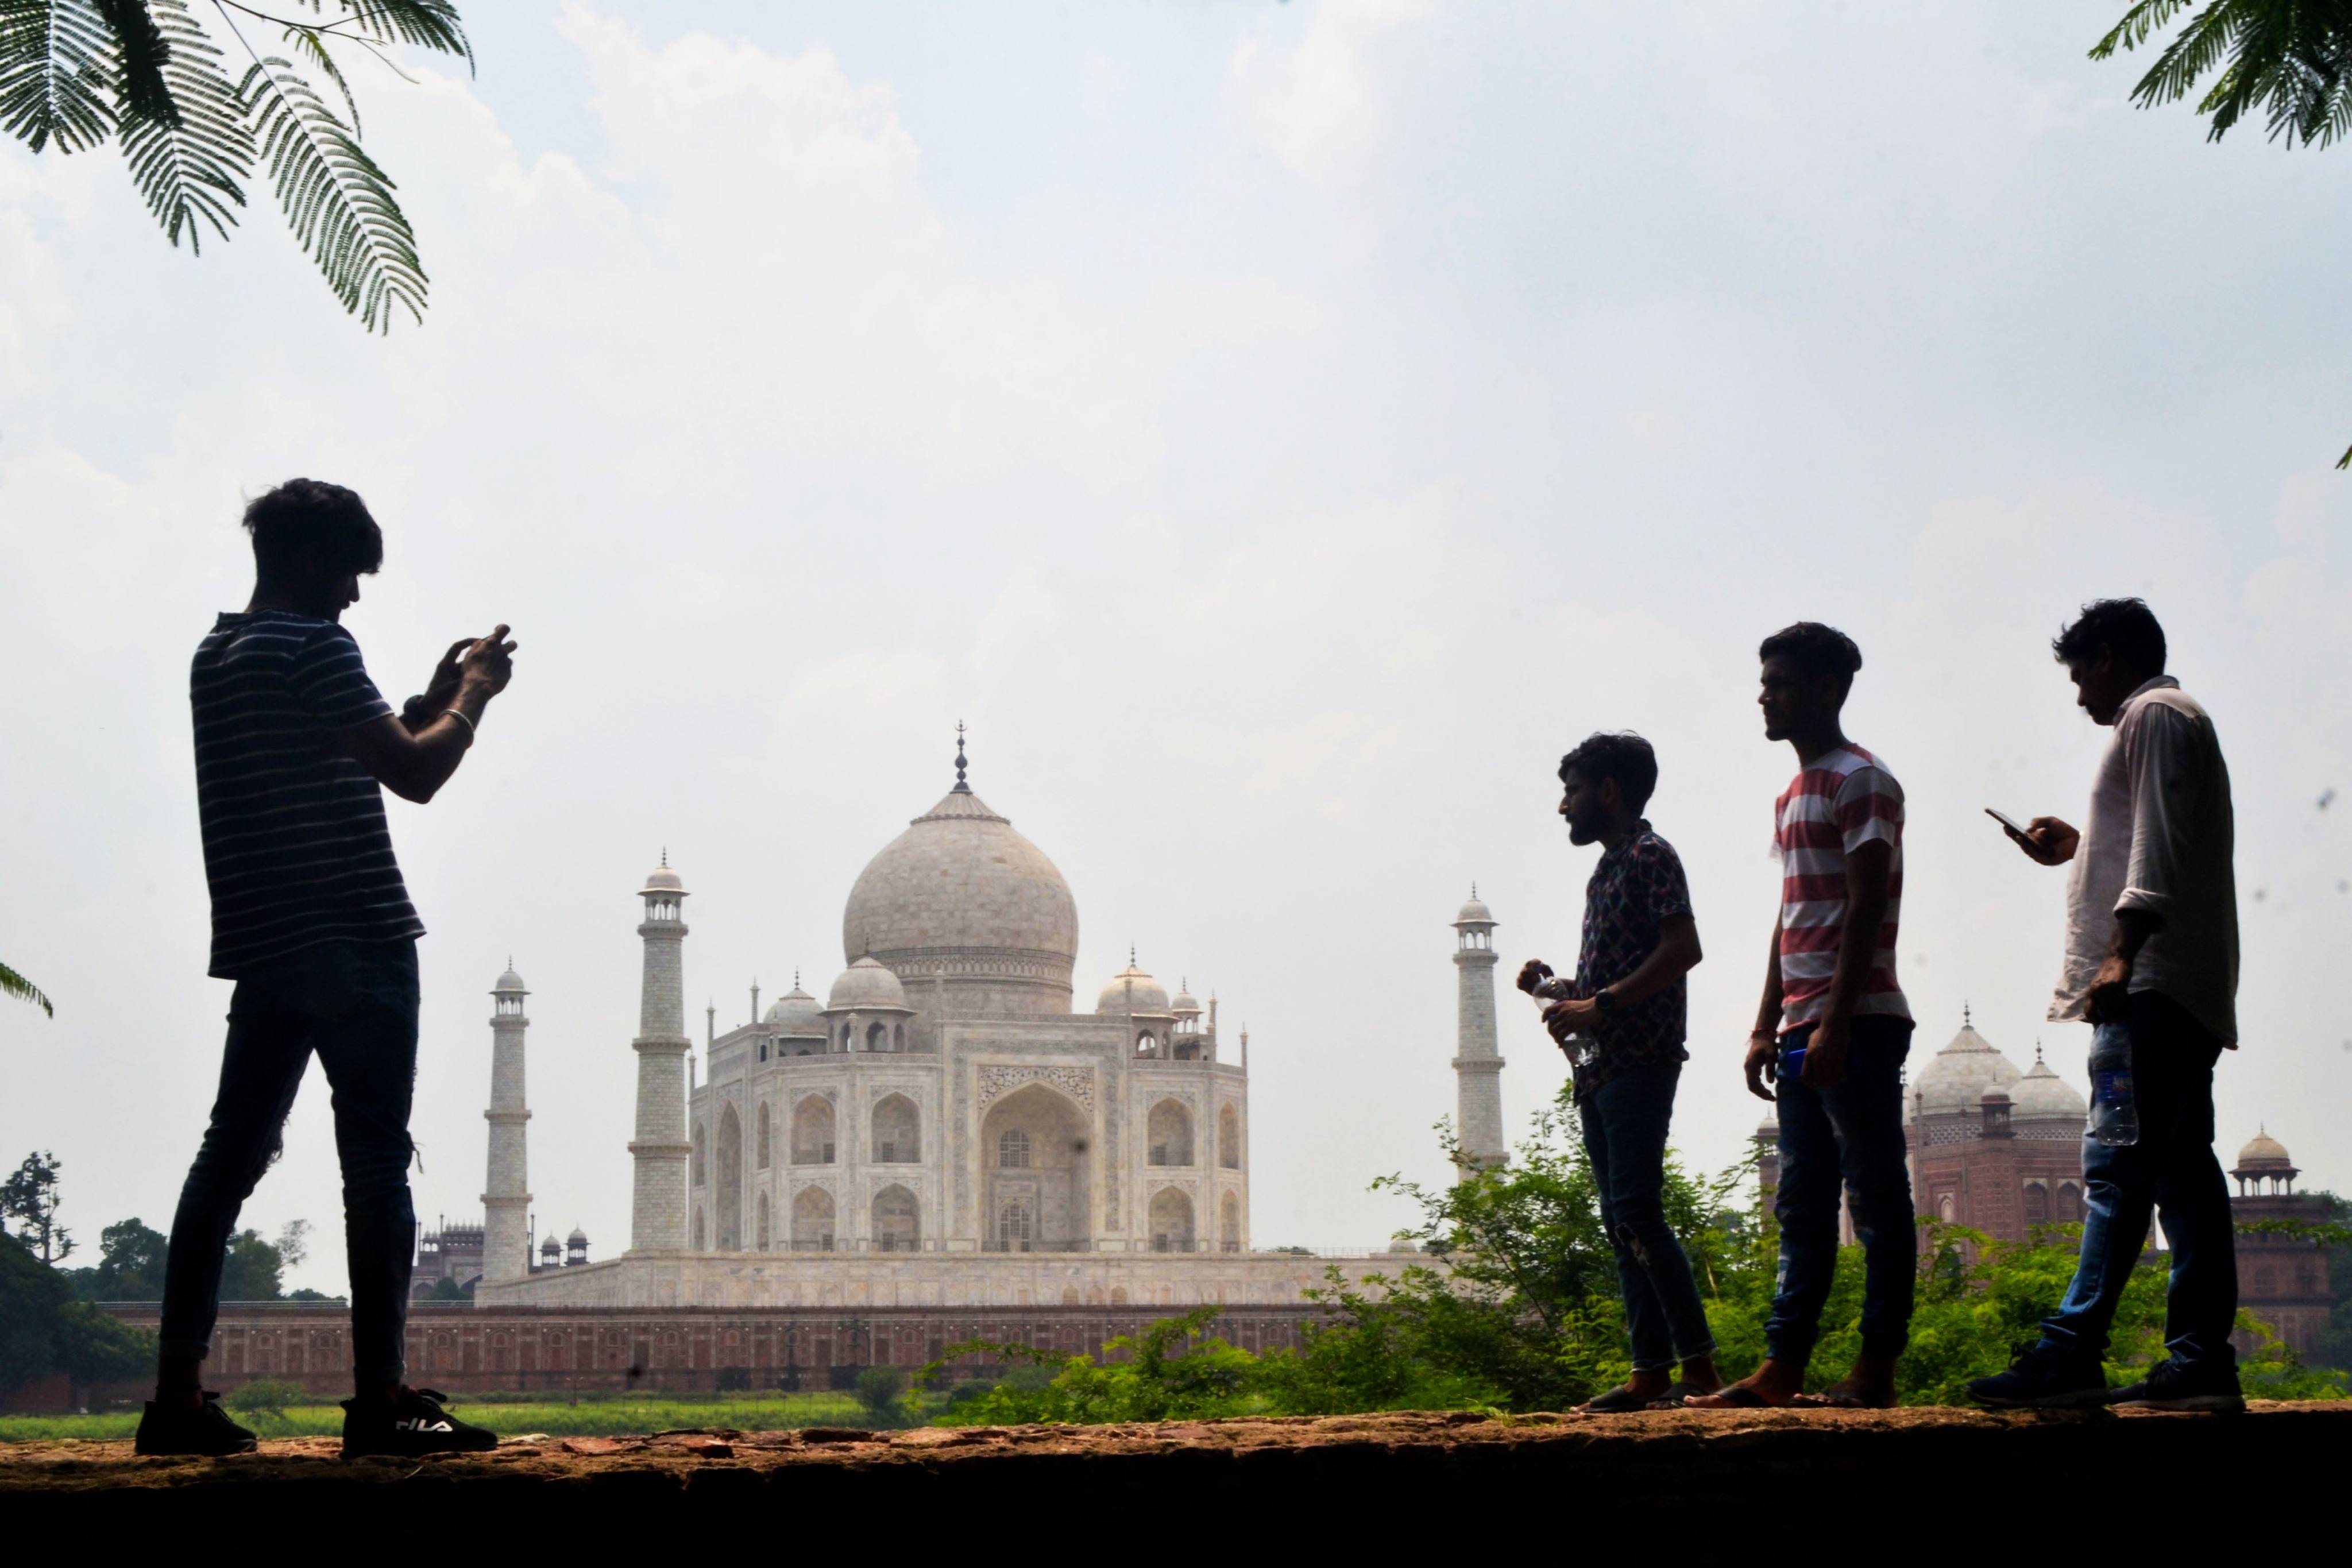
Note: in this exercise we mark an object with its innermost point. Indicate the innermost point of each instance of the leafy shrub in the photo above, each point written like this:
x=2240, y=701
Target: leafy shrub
x=266, y=1399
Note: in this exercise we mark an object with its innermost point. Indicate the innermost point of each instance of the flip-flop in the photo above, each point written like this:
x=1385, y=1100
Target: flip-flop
x=1674, y=1396
x=1737, y=1396
x=1837, y=1396
x=1617, y=1401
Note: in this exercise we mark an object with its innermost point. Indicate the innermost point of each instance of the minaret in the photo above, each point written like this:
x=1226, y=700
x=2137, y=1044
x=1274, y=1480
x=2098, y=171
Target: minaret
x=506, y=1201
x=1477, y=1063
x=657, y=1206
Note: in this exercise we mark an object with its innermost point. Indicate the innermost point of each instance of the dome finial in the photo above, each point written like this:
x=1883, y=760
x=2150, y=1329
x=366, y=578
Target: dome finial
x=1473, y=888
x=1966, y=1023
x=665, y=854
x=961, y=787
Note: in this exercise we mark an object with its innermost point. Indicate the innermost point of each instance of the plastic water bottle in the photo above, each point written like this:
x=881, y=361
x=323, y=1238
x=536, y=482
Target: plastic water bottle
x=2115, y=1114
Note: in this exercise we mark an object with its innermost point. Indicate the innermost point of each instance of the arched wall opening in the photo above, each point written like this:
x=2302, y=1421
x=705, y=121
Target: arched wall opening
x=812, y=1131
x=729, y=1158
x=1169, y=1131
x=898, y=1220
x=1037, y=1157
x=1172, y=1221
x=897, y=1132
x=812, y=1215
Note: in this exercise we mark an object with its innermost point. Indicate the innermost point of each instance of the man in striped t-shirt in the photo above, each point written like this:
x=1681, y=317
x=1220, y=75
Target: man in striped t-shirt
x=294, y=746
x=1833, y=1030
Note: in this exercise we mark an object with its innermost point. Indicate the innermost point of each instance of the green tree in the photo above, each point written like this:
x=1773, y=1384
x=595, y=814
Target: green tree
x=43, y=1330
x=253, y=1270
x=2291, y=59
x=14, y=984
x=76, y=74
x=28, y=1200
x=129, y=1264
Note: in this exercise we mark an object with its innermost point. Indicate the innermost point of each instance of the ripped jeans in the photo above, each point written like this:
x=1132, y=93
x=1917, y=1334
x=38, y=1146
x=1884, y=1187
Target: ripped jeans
x=1625, y=1122
x=355, y=1005
x=1849, y=1140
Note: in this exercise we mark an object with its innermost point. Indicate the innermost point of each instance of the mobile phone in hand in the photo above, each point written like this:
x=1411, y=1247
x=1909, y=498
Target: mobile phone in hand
x=2011, y=822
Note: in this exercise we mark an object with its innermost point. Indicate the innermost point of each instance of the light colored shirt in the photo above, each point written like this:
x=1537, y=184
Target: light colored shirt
x=2160, y=838
x=1835, y=805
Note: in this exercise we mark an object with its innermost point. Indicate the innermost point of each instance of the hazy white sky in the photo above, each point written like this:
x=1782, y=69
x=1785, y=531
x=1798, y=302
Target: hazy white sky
x=1279, y=431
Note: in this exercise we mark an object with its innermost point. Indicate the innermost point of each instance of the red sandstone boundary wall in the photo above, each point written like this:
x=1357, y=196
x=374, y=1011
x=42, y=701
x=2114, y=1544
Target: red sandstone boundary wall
x=465, y=1349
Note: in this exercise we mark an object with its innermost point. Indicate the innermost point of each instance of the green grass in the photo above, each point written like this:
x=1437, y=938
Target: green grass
x=589, y=1418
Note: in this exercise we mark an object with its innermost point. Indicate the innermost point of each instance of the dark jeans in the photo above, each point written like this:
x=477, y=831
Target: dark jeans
x=1625, y=1135
x=355, y=1005
x=1848, y=1138
x=2172, y=1171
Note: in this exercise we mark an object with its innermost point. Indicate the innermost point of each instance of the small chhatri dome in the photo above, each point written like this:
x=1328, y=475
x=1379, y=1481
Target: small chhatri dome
x=866, y=987
x=1183, y=1004
x=550, y=1247
x=662, y=880
x=1132, y=991
x=1475, y=912
x=2041, y=1095
x=579, y=1235
x=796, y=1014
x=509, y=981
x=2263, y=1152
x=1957, y=1076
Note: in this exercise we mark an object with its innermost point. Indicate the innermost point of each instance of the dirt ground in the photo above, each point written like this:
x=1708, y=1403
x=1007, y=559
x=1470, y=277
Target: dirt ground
x=1412, y=1470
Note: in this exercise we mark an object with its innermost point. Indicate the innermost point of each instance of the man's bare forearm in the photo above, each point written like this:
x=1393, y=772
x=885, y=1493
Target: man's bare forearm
x=1768, y=1012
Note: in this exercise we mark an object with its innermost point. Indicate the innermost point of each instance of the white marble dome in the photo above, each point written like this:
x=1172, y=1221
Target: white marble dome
x=959, y=896
x=509, y=981
x=662, y=880
x=1475, y=912
x=795, y=1013
x=1148, y=999
x=2042, y=1094
x=1956, y=1077
x=2262, y=1152
x=865, y=987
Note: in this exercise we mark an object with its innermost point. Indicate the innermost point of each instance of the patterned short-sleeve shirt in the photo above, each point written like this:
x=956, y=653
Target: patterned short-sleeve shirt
x=1635, y=891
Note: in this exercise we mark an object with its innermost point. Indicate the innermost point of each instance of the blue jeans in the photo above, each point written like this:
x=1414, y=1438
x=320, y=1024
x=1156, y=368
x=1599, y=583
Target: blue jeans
x=1848, y=1138
x=355, y=1005
x=2171, y=1170
x=1626, y=1137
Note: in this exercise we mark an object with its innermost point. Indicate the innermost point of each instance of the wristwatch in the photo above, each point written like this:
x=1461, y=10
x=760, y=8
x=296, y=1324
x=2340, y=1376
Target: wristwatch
x=1605, y=1001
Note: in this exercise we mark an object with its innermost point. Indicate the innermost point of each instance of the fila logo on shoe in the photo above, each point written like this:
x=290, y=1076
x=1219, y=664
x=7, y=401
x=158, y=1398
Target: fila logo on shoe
x=421, y=1424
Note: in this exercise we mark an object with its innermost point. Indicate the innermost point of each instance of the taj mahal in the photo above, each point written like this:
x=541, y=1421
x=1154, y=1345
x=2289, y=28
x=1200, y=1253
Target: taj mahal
x=944, y=1129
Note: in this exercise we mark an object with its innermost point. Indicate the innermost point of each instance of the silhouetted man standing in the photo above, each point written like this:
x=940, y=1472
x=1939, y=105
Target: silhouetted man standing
x=1622, y=1024
x=1833, y=1030
x=2151, y=944
x=312, y=920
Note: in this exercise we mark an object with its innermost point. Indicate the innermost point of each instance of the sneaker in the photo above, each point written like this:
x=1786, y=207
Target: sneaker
x=2175, y=1385
x=2043, y=1382
x=410, y=1424
x=206, y=1430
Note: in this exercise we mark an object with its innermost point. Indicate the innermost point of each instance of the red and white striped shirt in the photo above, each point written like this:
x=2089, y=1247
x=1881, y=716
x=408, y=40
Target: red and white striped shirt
x=1836, y=804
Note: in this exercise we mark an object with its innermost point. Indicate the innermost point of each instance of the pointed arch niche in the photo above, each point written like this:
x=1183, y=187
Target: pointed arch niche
x=1038, y=1174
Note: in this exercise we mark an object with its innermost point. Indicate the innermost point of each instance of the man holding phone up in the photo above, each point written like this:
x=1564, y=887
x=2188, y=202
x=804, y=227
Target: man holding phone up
x=1833, y=1031
x=310, y=919
x=2152, y=945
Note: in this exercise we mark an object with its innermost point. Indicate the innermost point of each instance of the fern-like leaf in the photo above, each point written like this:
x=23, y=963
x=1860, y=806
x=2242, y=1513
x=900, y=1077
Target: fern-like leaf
x=55, y=65
x=139, y=55
x=338, y=202
x=14, y=984
x=192, y=168
x=426, y=23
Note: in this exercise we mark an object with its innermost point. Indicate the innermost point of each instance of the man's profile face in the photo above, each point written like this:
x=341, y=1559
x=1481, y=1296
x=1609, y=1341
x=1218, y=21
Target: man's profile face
x=2099, y=686
x=1791, y=700
x=1584, y=805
